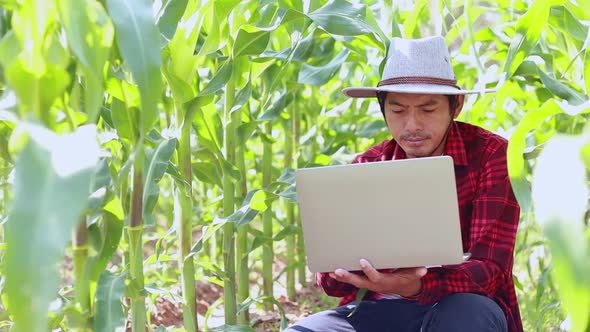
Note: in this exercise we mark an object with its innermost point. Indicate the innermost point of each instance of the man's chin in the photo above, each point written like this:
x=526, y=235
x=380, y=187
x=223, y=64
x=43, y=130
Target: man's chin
x=417, y=153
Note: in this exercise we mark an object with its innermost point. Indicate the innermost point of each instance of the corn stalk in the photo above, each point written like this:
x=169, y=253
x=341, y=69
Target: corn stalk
x=184, y=196
x=267, y=247
x=229, y=260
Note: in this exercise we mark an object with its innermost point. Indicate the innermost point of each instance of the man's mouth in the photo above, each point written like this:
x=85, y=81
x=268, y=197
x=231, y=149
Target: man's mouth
x=415, y=141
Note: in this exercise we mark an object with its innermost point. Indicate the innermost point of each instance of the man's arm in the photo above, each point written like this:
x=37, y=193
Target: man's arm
x=492, y=235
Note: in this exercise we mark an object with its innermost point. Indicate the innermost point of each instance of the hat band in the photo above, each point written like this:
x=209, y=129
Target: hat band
x=419, y=80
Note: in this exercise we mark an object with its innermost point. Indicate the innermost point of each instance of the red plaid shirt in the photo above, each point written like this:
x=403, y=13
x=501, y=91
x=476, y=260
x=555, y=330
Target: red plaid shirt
x=489, y=216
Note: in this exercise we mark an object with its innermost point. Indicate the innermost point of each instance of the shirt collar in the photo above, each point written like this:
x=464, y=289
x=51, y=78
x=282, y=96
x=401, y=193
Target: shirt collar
x=454, y=147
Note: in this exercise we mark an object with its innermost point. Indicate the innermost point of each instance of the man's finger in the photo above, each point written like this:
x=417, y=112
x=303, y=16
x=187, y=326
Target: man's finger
x=370, y=271
x=412, y=272
x=349, y=278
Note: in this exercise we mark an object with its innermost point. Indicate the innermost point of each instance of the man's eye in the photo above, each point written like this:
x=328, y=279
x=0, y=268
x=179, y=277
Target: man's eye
x=428, y=111
x=396, y=111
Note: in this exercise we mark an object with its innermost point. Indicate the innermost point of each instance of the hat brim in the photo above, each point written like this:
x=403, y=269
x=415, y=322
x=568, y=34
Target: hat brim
x=368, y=92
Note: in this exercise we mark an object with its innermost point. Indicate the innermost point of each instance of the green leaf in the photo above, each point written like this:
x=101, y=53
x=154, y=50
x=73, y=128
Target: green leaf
x=561, y=90
x=358, y=300
x=208, y=172
x=115, y=208
x=138, y=40
x=286, y=231
x=262, y=199
x=219, y=79
x=321, y=75
x=560, y=206
x=180, y=63
x=110, y=231
x=243, y=97
x=415, y=17
x=570, y=253
x=243, y=216
x=261, y=299
x=518, y=144
x=528, y=31
x=172, y=170
x=245, y=131
x=340, y=17
x=51, y=186
x=215, y=20
x=121, y=119
x=9, y=48
x=90, y=35
x=209, y=128
x=277, y=107
x=208, y=231
x=251, y=41
x=370, y=129
x=36, y=92
x=258, y=240
x=563, y=19
x=110, y=315
x=102, y=178
x=516, y=148
x=156, y=167
x=287, y=177
x=233, y=328
x=173, y=10
x=290, y=193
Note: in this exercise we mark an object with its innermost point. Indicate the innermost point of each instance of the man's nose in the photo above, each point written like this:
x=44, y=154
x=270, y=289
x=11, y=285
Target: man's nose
x=414, y=122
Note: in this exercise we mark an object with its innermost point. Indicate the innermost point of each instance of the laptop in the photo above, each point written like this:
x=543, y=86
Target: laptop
x=395, y=214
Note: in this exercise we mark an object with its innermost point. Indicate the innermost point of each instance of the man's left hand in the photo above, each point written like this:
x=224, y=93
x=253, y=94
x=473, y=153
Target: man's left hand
x=406, y=282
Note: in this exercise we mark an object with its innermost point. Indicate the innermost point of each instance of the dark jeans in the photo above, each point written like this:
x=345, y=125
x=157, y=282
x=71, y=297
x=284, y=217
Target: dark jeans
x=457, y=312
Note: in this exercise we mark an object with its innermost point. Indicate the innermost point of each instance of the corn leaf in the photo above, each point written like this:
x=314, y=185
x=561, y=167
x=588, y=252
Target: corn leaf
x=528, y=31
x=157, y=162
x=52, y=182
x=340, y=17
x=90, y=35
x=321, y=75
x=138, y=40
x=172, y=13
x=110, y=315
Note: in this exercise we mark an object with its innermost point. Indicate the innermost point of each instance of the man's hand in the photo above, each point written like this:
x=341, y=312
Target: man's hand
x=405, y=282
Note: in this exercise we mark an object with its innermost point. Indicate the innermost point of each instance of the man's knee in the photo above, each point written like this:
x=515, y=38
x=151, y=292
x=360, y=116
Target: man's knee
x=465, y=312
x=324, y=321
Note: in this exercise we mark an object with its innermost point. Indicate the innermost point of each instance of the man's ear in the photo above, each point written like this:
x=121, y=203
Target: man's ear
x=458, y=106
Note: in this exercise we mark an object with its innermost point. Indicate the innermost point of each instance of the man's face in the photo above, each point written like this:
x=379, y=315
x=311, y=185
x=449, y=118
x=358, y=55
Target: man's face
x=419, y=122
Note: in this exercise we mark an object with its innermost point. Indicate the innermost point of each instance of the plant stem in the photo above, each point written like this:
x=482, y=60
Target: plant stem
x=267, y=247
x=242, y=236
x=300, y=244
x=135, y=231
x=184, y=197
x=80, y=249
x=229, y=260
x=290, y=240
x=81, y=280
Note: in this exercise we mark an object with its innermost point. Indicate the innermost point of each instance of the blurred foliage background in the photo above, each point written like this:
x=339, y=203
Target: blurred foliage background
x=149, y=146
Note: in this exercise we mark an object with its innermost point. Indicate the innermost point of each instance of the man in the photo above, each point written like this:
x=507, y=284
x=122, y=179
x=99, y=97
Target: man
x=420, y=100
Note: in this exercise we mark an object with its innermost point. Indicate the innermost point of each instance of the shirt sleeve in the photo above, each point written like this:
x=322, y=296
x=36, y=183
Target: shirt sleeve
x=492, y=234
x=333, y=287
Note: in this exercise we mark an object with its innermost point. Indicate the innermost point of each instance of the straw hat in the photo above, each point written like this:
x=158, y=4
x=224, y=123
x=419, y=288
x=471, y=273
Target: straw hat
x=416, y=66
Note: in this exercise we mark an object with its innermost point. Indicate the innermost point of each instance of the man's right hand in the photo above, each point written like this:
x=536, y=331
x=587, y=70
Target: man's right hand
x=405, y=282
